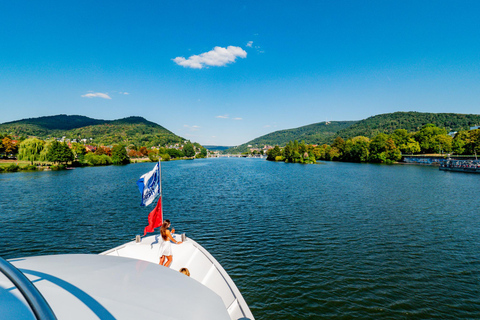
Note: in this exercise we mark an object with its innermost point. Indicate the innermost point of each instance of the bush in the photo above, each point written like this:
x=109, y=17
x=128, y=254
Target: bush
x=11, y=168
x=153, y=155
x=29, y=168
x=165, y=157
x=279, y=158
x=98, y=160
x=57, y=167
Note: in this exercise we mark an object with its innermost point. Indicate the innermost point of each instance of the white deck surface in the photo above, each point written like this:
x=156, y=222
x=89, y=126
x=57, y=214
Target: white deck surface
x=203, y=267
x=108, y=287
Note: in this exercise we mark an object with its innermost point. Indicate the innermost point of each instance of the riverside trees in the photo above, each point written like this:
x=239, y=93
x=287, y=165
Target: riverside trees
x=31, y=150
x=59, y=152
x=383, y=148
x=119, y=155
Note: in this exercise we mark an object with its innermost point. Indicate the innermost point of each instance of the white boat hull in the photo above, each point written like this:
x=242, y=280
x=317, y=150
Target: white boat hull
x=203, y=267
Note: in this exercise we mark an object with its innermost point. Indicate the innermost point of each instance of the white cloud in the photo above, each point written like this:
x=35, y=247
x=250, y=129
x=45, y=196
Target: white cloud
x=218, y=57
x=192, y=128
x=222, y=117
x=126, y=93
x=96, y=95
x=249, y=44
x=237, y=119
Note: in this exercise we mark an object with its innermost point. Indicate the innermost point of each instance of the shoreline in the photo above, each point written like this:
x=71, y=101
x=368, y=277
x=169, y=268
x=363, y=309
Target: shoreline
x=12, y=166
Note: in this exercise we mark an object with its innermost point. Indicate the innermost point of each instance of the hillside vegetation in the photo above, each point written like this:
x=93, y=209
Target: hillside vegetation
x=411, y=121
x=131, y=130
x=317, y=133
x=325, y=133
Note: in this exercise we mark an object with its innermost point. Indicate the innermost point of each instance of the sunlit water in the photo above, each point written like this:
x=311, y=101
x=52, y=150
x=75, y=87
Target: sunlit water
x=325, y=241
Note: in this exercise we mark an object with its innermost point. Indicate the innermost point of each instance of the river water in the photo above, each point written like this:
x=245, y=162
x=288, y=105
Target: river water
x=326, y=241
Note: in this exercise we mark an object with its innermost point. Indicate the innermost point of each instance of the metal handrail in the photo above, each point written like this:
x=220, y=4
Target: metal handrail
x=40, y=307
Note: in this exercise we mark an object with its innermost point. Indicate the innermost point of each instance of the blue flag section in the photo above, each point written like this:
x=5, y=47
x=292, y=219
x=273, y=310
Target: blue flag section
x=149, y=185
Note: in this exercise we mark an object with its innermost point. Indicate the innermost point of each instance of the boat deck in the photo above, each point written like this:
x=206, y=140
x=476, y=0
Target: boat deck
x=202, y=265
x=90, y=286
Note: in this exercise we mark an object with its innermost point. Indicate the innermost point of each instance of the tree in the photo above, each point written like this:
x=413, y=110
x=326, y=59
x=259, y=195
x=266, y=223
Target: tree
x=98, y=160
x=153, y=155
x=302, y=148
x=2, y=149
x=383, y=149
x=273, y=153
x=143, y=151
x=103, y=151
x=442, y=143
x=426, y=137
x=174, y=153
x=30, y=149
x=402, y=138
x=319, y=152
x=165, y=157
x=288, y=150
x=357, y=149
x=378, y=148
x=332, y=153
x=59, y=152
x=339, y=145
x=391, y=151
x=203, y=152
x=9, y=146
x=473, y=141
x=412, y=146
x=79, y=151
x=119, y=155
x=189, y=150
x=459, y=142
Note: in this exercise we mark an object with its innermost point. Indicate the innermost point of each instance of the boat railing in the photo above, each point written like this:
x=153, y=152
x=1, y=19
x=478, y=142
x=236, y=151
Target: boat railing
x=40, y=307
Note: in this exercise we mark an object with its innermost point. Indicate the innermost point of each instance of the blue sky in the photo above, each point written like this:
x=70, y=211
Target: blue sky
x=226, y=72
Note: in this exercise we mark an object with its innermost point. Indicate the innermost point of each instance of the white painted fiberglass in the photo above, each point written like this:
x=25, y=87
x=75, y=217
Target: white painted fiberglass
x=82, y=286
x=203, y=267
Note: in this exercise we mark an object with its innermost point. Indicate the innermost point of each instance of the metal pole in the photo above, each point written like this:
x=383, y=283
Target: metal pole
x=160, y=167
x=40, y=307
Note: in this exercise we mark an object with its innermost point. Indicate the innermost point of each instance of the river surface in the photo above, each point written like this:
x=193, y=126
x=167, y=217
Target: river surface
x=325, y=241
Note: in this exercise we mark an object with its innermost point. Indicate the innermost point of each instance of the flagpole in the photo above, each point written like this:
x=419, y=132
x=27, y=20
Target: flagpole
x=160, y=167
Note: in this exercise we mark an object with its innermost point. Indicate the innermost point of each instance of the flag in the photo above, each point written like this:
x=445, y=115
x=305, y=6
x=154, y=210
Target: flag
x=155, y=218
x=149, y=185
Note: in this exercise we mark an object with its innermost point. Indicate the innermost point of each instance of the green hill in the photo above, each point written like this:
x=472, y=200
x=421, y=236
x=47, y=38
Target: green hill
x=323, y=132
x=317, y=133
x=131, y=130
x=410, y=121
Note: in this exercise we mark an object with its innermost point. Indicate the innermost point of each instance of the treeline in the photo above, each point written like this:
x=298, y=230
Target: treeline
x=382, y=148
x=189, y=150
x=61, y=154
x=410, y=121
x=317, y=133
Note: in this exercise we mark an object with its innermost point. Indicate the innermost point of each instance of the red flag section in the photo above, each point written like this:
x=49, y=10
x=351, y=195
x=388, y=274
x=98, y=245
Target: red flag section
x=155, y=218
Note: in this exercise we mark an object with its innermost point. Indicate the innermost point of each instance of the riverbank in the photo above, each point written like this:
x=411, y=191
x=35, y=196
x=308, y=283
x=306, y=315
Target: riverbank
x=25, y=166
x=9, y=166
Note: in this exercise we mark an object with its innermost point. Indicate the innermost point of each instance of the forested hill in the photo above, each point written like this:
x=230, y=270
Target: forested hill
x=410, y=121
x=59, y=122
x=131, y=130
x=317, y=133
x=325, y=132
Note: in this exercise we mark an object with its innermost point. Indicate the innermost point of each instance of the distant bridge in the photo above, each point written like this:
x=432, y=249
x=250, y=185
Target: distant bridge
x=235, y=156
